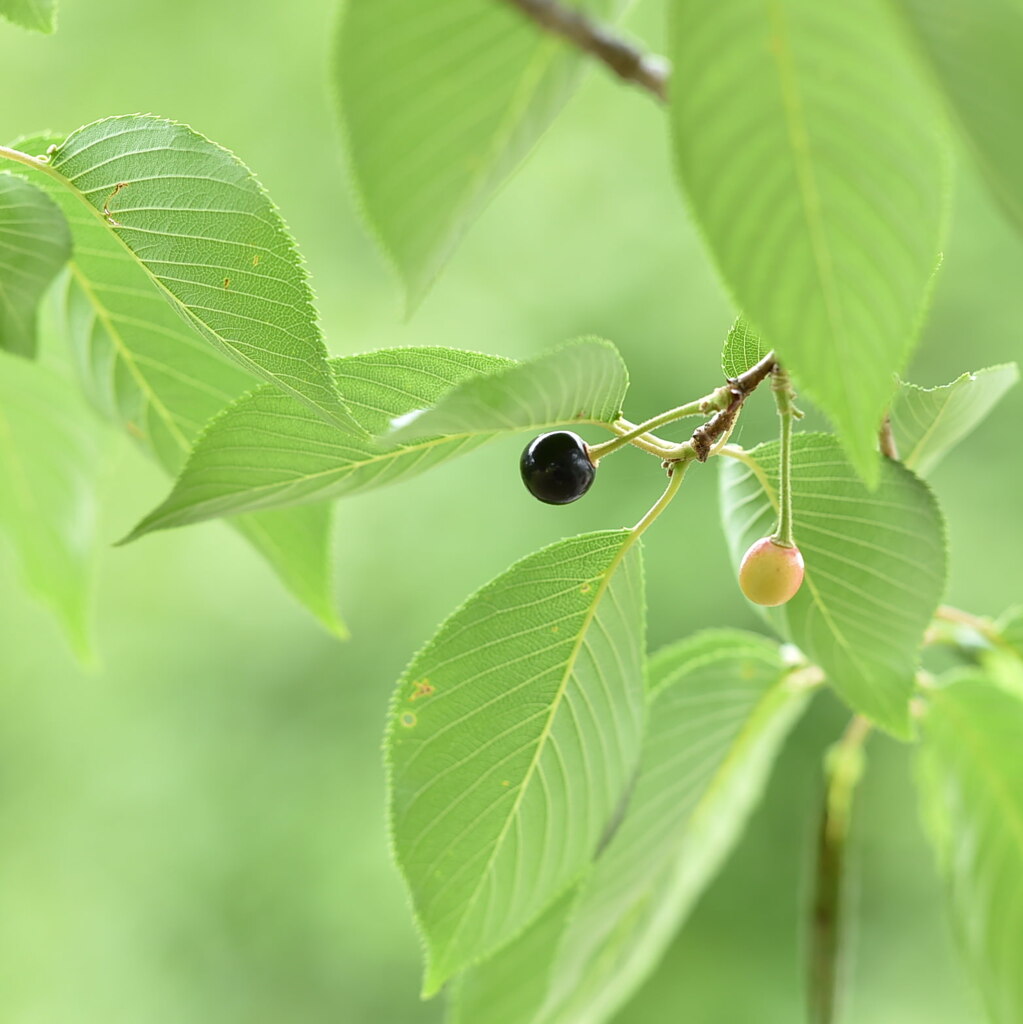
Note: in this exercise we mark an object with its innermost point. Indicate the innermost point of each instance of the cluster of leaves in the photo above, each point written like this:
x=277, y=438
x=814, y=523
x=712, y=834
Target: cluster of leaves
x=558, y=798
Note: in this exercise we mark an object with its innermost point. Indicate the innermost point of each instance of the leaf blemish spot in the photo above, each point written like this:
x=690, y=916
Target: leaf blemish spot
x=255, y=260
x=106, y=205
x=408, y=719
x=422, y=688
x=584, y=589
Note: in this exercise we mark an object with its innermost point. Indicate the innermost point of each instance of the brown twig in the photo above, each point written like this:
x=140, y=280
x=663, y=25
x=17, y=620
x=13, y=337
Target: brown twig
x=740, y=388
x=646, y=70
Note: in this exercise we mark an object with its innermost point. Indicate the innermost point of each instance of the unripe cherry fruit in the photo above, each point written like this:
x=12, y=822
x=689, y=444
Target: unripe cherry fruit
x=770, y=573
x=556, y=467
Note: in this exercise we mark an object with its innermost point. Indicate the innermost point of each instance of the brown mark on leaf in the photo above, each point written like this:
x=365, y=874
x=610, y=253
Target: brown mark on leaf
x=227, y=283
x=584, y=589
x=422, y=688
x=408, y=719
x=255, y=260
x=108, y=216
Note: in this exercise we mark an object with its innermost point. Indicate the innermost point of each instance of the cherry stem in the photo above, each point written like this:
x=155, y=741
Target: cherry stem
x=787, y=412
x=674, y=483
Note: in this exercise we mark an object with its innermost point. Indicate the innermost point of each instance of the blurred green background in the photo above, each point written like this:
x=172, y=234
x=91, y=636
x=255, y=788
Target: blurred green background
x=195, y=832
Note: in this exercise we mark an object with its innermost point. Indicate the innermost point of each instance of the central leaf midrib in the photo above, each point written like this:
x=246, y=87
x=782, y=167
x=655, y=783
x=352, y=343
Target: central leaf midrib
x=548, y=726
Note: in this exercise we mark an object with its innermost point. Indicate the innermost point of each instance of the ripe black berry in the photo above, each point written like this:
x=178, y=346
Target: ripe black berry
x=555, y=467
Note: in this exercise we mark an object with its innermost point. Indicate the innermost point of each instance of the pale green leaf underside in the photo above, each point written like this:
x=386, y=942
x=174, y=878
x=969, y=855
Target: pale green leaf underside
x=973, y=49
x=875, y=567
x=582, y=381
x=146, y=369
x=719, y=710
x=50, y=451
x=812, y=162
x=38, y=15
x=210, y=242
x=513, y=736
x=743, y=349
x=34, y=244
x=440, y=103
x=929, y=422
x=1010, y=627
x=268, y=450
x=971, y=781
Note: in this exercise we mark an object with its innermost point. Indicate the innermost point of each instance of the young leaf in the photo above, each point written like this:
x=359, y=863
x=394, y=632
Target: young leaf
x=971, y=788
x=513, y=736
x=38, y=15
x=267, y=450
x=583, y=381
x=973, y=50
x=440, y=103
x=142, y=366
x=210, y=242
x=720, y=705
x=50, y=449
x=875, y=567
x=928, y=422
x=743, y=348
x=34, y=244
x=812, y=162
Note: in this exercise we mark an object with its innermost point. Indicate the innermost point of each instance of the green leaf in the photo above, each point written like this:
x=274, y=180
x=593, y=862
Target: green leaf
x=513, y=736
x=440, y=103
x=973, y=52
x=720, y=705
x=743, y=349
x=147, y=370
x=875, y=567
x=209, y=241
x=813, y=164
x=267, y=450
x=584, y=382
x=34, y=244
x=298, y=545
x=970, y=773
x=38, y=15
x=50, y=453
x=928, y=422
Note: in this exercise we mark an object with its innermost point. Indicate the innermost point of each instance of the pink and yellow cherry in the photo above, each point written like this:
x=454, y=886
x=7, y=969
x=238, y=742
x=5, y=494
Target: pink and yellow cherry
x=770, y=573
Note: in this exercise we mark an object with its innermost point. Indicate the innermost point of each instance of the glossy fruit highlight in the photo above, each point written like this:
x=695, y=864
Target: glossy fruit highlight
x=556, y=467
x=771, y=573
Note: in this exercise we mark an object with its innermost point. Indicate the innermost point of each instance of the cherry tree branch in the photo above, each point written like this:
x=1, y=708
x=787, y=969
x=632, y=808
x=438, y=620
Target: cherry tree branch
x=629, y=63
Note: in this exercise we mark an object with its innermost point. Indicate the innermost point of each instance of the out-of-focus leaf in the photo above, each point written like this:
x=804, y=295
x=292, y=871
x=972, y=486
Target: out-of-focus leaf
x=266, y=450
x=584, y=381
x=971, y=786
x=513, y=736
x=720, y=705
x=146, y=369
x=440, y=103
x=929, y=422
x=812, y=161
x=743, y=349
x=38, y=15
x=34, y=244
x=875, y=567
x=209, y=241
x=973, y=50
x=50, y=451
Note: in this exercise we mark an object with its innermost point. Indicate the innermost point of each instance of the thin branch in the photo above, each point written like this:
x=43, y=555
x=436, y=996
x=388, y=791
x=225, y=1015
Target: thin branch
x=843, y=768
x=646, y=70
